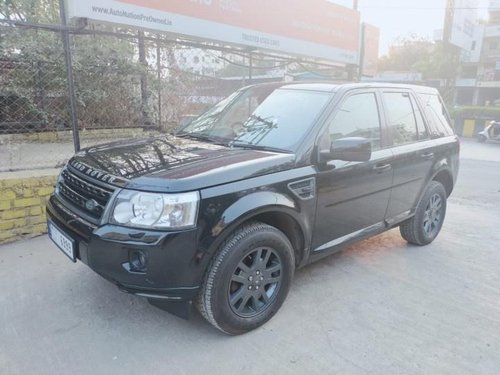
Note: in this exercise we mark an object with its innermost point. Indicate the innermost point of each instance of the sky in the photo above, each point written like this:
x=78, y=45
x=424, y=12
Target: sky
x=402, y=18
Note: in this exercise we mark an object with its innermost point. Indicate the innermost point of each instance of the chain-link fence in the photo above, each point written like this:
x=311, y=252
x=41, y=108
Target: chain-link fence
x=127, y=83
x=34, y=110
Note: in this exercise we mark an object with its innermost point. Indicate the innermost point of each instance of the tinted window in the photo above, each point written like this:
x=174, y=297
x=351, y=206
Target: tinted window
x=421, y=129
x=282, y=118
x=439, y=123
x=261, y=116
x=400, y=117
x=357, y=117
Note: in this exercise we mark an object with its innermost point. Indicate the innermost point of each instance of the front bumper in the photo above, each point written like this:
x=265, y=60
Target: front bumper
x=174, y=265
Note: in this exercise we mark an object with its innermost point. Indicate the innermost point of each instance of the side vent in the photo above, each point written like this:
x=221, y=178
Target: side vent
x=303, y=189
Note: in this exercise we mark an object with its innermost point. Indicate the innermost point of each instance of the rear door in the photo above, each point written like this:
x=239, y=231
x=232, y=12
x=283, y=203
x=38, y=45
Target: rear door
x=412, y=148
x=353, y=196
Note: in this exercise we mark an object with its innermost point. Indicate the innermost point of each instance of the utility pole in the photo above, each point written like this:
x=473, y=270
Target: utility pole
x=362, y=51
x=452, y=51
x=448, y=21
x=351, y=69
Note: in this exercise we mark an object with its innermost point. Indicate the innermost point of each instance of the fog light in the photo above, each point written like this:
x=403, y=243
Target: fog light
x=137, y=261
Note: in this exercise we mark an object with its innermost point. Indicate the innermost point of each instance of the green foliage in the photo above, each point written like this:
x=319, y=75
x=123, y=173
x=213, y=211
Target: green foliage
x=34, y=11
x=260, y=66
x=418, y=54
x=106, y=69
x=475, y=112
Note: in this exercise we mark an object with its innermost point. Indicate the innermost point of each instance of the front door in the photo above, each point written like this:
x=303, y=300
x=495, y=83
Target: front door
x=353, y=196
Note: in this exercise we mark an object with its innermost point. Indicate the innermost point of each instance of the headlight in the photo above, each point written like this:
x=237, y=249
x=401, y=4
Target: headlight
x=156, y=211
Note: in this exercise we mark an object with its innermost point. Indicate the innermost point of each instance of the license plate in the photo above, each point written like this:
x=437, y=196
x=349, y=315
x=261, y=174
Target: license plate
x=62, y=240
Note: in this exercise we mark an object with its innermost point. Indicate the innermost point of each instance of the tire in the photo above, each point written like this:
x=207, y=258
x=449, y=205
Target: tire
x=424, y=227
x=481, y=138
x=248, y=279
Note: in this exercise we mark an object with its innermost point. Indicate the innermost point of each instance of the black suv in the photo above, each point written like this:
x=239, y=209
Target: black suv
x=276, y=176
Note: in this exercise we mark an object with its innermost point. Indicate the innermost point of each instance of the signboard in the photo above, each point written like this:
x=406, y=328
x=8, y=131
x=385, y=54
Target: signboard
x=473, y=54
x=313, y=28
x=371, y=37
x=345, y=3
x=464, y=22
x=494, y=4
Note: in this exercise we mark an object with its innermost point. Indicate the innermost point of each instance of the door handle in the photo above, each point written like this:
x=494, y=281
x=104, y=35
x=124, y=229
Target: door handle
x=427, y=156
x=380, y=168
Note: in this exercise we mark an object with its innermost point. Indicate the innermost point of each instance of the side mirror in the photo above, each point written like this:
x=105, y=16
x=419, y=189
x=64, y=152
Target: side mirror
x=348, y=149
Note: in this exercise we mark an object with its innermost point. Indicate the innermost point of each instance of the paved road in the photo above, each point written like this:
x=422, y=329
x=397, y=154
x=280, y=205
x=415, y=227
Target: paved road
x=380, y=307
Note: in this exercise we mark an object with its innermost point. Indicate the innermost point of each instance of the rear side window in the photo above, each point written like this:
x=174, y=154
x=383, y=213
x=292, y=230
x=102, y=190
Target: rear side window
x=421, y=129
x=400, y=117
x=435, y=111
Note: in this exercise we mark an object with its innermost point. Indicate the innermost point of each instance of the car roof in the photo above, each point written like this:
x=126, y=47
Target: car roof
x=329, y=86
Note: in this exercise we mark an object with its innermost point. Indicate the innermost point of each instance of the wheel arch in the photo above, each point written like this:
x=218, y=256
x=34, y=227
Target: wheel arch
x=444, y=177
x=289, y=226
x=273, y=209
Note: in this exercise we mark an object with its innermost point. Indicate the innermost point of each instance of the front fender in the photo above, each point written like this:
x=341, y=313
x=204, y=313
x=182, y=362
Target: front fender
x=258, y=202
x=267, y=198
x=251, y=206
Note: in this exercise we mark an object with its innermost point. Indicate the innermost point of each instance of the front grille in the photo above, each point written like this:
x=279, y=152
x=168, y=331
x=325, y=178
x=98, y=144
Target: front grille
x=83, y=192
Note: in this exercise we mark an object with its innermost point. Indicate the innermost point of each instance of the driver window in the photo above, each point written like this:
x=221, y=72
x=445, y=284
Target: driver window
x=357, y=117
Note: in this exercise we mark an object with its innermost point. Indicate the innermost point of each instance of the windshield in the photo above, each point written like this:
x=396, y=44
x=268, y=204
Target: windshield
x=261, y=117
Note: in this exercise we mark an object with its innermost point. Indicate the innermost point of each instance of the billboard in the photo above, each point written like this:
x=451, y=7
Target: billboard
x=371, y=37
x=464, y=23
x=313, y=28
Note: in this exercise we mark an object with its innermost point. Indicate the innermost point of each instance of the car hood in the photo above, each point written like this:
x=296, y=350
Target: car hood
x=172, y=164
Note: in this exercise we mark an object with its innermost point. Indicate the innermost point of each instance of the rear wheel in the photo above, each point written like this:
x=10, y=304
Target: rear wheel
x=424, y=227
x=248, y=280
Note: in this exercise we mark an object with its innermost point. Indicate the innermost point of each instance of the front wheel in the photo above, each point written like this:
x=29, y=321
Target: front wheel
x=481, y=138
x=248, y=280
x=424, y=227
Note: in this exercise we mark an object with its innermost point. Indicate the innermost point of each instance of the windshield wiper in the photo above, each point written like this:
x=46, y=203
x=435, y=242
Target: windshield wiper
x=252, y=146
x=257, y=121
x=205, y=138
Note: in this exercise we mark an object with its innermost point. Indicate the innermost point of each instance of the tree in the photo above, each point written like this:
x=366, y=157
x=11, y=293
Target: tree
x=107, y=70
x=420, y=55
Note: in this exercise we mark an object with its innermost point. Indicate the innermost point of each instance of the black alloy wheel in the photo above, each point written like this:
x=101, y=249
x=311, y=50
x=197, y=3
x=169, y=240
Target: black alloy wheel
x=433, y=215
x=429, y=216
x=248, y=279
x=255, y=282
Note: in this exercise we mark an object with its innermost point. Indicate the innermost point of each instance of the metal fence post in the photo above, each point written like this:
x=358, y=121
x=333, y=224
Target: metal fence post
x=69, y=76
x=158, y=67
x=250, y=68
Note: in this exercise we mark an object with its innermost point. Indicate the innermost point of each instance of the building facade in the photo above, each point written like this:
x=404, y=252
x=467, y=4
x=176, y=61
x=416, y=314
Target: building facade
x=479, y=80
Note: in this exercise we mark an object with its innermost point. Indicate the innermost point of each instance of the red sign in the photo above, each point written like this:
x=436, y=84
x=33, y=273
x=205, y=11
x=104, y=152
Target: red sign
x=313, y=28
x=315, y=21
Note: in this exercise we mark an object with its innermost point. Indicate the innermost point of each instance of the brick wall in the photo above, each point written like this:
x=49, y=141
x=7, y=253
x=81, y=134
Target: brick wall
x=23, y=196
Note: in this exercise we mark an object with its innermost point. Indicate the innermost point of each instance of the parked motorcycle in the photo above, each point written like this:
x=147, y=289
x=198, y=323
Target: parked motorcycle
x=490, y=132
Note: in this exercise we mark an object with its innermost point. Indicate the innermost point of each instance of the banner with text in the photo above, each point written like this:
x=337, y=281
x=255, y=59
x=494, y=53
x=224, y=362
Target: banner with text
x=464, y=23
x=312, y=28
